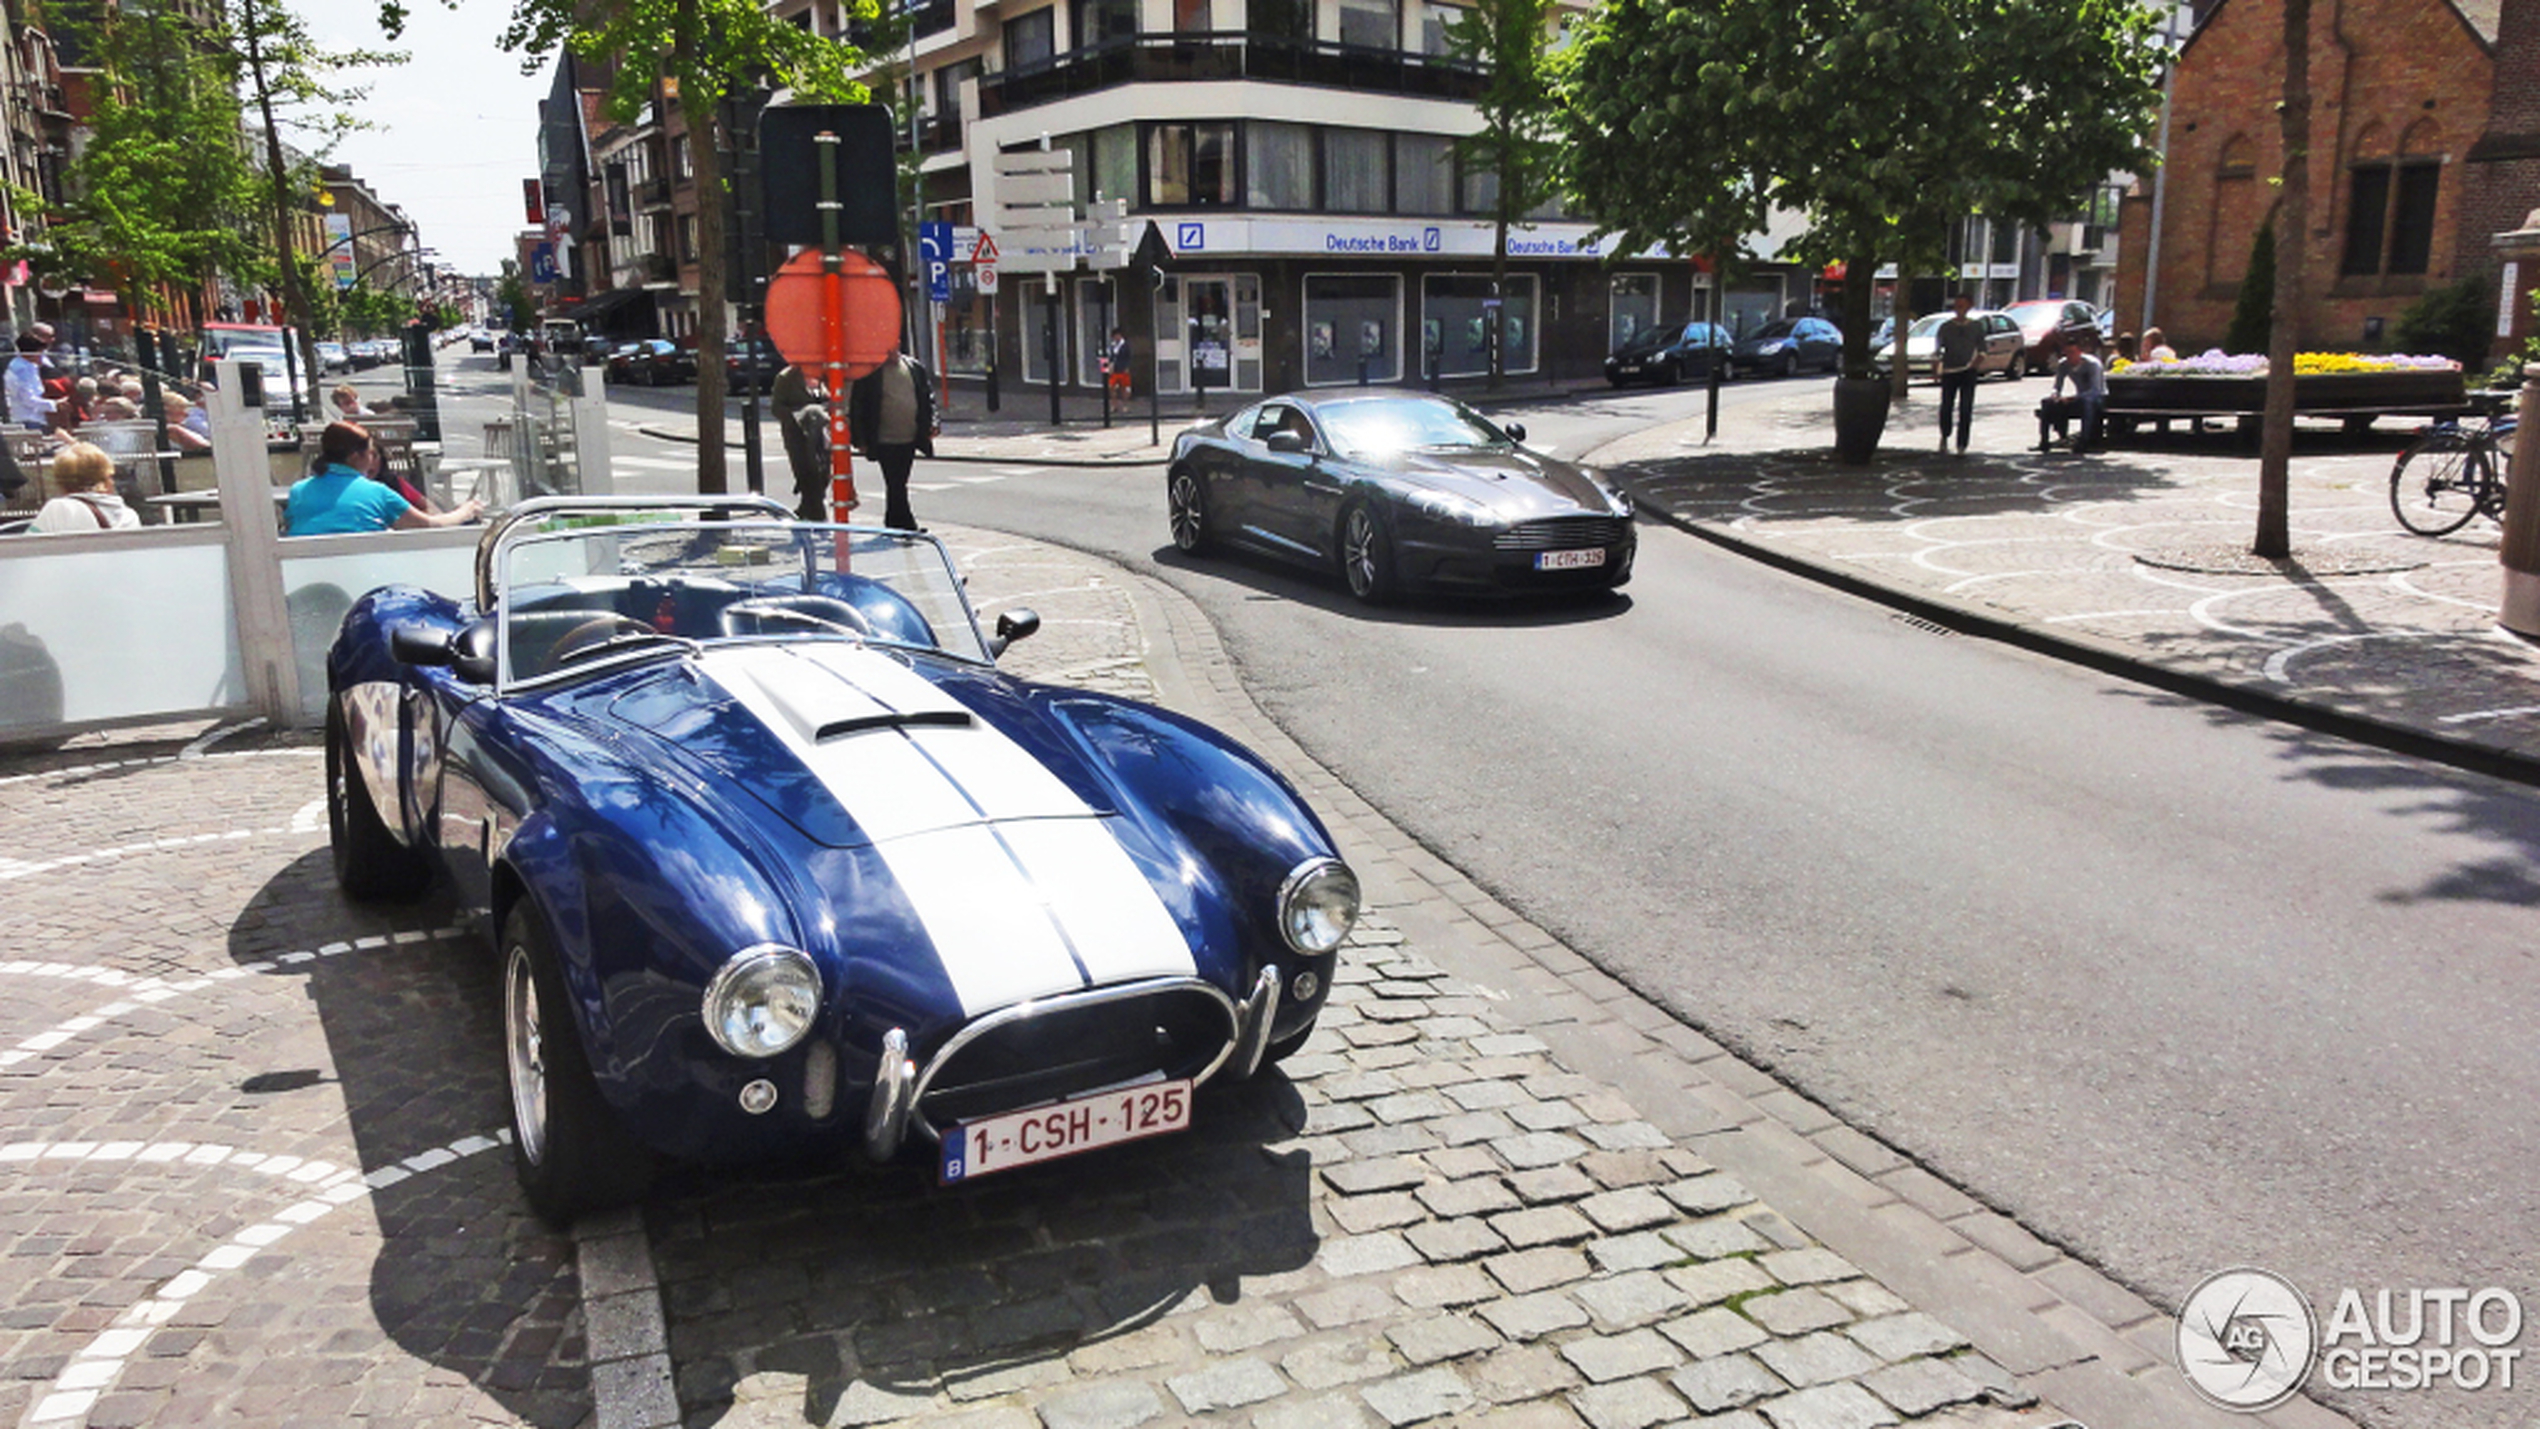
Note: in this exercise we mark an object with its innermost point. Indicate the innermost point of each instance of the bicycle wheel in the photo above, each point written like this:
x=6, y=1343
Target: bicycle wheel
x=2434, y=485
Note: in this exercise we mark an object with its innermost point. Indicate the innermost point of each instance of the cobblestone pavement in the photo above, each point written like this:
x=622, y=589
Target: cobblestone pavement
x=251, y=1173
x=2135, y=555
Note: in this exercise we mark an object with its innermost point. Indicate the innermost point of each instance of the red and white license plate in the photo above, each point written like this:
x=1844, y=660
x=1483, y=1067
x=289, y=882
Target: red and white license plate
x=1019, y=1138
x=1569, y=560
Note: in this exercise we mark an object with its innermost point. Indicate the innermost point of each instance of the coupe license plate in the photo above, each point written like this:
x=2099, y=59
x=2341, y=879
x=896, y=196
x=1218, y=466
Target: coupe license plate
x=1019, y=1138
x=1569, y=560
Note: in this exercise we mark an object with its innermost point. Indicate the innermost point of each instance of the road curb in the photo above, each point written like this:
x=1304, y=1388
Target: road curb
x=689, y=437
x=2071, y=1334
x=2109, y=658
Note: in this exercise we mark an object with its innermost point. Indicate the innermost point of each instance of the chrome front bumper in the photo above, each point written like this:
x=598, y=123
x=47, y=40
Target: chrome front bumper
x=899, y=1083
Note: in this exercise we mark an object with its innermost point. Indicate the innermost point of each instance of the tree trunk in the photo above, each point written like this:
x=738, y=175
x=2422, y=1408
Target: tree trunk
x=286, y=256
x=1901, y=319
x=2274, y=537
x=1860, y=284
x=705, y=148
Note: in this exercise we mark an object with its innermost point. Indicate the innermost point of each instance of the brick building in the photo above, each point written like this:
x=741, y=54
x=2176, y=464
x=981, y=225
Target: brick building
x=2425, y=144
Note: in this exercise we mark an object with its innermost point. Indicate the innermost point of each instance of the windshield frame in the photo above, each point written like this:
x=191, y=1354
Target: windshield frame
x=914, y=567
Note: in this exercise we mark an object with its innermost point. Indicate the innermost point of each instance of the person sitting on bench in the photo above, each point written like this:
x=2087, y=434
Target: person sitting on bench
x=2089, y=377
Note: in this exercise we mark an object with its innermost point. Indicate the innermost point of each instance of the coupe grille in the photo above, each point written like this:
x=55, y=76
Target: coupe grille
x=1562, y=533
x=1065, y=1050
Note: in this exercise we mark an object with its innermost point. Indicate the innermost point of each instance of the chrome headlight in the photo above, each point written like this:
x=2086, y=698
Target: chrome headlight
x=763, y=1001
x=1318, y=905
x=1451, y=507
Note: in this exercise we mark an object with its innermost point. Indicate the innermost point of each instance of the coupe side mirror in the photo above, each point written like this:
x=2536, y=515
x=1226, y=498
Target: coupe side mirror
x=421, y=645
x=1516, y=430
x=1017, y=624
x=1290, y=442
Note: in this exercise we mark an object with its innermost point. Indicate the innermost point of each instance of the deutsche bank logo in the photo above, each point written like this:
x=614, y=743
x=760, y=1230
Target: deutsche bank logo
x=1430, y=240
x=1189, y=236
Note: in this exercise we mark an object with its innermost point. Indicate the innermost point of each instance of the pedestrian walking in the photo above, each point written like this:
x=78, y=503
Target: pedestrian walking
x=891, y=412
x=802, y=418
x=1115, y=364
x=2079, y=365
x=1955, y=354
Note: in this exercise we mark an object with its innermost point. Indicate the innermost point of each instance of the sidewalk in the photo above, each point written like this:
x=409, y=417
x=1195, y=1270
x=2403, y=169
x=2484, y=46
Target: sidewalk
x=2134, y=561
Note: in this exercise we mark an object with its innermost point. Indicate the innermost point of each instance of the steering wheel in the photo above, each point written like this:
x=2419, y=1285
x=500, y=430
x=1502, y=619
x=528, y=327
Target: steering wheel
x=811, y=612
x=598, y=636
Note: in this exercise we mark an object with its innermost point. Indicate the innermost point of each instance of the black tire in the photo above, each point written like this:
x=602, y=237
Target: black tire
x=1367, y=557
x=569, y=1149
x=1790, y=364
x=1673, y=374
x=2434, y=485
x=371, y=866
x=1186, y=506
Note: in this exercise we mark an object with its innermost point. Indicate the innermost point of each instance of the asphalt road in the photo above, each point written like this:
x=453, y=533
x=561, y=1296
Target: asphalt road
x=2177, y=989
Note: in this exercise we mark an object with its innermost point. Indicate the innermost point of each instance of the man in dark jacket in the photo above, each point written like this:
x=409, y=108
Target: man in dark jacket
x=891, y=411
x=802, y=417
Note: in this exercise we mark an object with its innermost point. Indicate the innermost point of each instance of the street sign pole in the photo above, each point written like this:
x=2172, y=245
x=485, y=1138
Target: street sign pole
x=1053, y=348
x=842, y=498
x=1102, y=334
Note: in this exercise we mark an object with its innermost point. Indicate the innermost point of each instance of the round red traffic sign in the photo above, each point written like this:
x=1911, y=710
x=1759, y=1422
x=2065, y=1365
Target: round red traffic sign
x=802, y=298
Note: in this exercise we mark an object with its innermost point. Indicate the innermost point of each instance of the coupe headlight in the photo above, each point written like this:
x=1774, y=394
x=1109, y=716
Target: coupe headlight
x=1318, y=905
x=763, y=1000
x=1450, y=507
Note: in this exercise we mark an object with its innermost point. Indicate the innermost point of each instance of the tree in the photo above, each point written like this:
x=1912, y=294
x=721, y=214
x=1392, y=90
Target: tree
x=2016, y=107
x=2293, y=210
x=294, y=83
x=2253, y=311
x=511, y=298
x=1516, y=144
x=2457, y=320
x=147, y=204
x=711, y=48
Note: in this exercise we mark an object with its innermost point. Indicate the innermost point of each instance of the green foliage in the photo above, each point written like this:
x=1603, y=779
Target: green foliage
x=710, y=46
x=1874, y=120
x=2457, y=320
x=1519, y=141
x=148, y=203
x=2253, y=313
x=512, y=299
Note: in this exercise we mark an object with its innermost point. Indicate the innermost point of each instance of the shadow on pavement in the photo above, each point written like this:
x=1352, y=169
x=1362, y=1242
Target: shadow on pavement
x=466, y=1280
x=1276, y=579
x=1811, y=486
x=878, y=1289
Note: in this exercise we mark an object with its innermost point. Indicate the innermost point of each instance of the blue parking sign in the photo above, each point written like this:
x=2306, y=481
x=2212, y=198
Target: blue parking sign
x=935, y=251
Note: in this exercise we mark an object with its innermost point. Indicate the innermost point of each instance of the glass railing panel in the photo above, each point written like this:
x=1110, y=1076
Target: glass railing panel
x=113, y=627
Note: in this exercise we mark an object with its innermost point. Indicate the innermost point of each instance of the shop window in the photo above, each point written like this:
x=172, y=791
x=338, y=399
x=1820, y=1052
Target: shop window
x=1278, y=166
x=1374, y=24
x=1191, y=165
x=1357, y=171
x=1424, y=174
x=1350, y=319
x=1456, y=326
x=1632, y=308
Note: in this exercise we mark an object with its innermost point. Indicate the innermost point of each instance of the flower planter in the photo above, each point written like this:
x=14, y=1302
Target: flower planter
x=2332, y=394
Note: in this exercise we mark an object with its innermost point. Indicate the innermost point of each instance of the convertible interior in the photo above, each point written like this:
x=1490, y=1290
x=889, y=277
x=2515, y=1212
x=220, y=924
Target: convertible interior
x=554, y=626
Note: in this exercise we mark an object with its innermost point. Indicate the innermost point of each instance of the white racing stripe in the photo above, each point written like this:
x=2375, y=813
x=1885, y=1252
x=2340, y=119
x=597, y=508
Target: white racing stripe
x=1023, y=889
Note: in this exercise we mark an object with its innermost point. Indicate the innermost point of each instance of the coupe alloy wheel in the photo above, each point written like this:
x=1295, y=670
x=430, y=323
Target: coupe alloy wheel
x=1187, y=506
x=524, y=1050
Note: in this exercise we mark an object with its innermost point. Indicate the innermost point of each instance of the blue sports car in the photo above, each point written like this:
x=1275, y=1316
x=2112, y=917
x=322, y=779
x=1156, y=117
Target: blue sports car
x=778, y=863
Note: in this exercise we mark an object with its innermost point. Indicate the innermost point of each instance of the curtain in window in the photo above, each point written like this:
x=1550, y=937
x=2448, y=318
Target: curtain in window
x=1357, y=171
x=1279, y=166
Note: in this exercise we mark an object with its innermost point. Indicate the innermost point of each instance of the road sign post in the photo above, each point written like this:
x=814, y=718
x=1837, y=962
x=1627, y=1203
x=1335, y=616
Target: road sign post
x=842, y=497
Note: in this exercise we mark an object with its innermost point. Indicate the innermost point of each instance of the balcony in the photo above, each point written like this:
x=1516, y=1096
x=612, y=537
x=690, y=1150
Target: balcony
x=1165, y=59
x=939, y=134
x=652, y=194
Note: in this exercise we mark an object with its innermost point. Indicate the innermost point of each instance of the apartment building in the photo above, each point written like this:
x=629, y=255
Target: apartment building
x=1295, y=156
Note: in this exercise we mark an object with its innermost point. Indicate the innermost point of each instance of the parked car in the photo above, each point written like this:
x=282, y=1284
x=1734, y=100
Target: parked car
x=2046, y=325
x=1787, y=347
x=2001, y=351
x=334, y=357
x=480, y=340
x=651, y=362
x=779, y=864
x=1397, y=490
x=1668, y=353
x=768, y=358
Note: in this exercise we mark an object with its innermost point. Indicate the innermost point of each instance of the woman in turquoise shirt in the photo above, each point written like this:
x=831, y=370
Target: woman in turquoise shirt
x=340, y=497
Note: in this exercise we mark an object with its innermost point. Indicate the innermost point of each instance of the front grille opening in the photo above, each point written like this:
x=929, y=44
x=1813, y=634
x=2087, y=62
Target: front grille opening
x=1562, y=533
x=1069, y=1050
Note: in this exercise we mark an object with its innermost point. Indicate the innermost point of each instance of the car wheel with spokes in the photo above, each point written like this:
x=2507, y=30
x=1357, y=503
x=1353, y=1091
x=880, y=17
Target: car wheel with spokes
x=1186, y=505
x=571, y=1152
x=1367, y=558
x=371, y=865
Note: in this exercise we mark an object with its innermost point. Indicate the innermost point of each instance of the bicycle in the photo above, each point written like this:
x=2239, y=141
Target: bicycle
x=2454, y=470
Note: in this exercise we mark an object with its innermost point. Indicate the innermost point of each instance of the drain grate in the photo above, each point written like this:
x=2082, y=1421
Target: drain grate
x=1928, y=627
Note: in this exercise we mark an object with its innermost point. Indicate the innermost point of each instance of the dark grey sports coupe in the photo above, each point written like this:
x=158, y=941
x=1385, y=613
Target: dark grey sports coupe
x=1397, y=489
